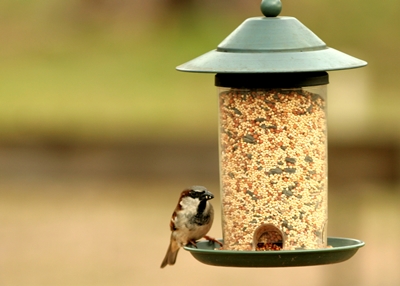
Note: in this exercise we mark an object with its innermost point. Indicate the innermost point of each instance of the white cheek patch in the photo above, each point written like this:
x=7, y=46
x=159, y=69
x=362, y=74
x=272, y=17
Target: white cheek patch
x=189, y=204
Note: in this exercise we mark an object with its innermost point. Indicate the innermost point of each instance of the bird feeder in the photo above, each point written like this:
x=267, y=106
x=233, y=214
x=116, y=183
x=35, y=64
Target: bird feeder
x=271, y=77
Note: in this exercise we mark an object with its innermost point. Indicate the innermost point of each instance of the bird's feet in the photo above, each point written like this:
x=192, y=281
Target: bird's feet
x=211, y=239
x=193, y=243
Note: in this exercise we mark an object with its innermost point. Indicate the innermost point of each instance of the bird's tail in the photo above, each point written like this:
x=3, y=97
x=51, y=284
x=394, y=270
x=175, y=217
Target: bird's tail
x=172, y=253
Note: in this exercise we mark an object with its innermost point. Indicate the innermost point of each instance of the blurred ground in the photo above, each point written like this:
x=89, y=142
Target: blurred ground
x=99, y=134
x=85, y=232
x=92, y=217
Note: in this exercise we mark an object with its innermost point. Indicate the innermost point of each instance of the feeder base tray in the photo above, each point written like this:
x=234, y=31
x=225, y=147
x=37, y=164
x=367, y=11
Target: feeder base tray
x=341, y=250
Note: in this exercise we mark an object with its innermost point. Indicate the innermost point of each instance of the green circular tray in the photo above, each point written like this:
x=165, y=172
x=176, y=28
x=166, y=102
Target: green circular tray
x=342, y=249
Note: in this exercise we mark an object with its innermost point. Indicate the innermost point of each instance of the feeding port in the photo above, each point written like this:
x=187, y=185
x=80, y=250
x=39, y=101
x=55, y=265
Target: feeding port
x=268, y=237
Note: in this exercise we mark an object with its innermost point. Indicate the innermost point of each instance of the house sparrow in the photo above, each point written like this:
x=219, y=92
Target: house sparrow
x=191, y=220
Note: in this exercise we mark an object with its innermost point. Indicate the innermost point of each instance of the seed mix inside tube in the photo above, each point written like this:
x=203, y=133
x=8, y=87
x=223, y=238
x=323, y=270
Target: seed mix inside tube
x=273, y=166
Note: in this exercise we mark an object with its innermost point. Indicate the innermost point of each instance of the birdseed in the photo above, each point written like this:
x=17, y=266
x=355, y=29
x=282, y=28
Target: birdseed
x=273, y=167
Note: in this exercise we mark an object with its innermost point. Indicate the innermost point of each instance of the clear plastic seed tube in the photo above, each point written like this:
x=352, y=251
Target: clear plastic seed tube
x=273, y=168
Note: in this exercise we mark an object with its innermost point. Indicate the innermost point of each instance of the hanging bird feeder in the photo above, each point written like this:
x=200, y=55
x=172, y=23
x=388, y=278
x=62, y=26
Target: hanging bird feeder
x=271, y=75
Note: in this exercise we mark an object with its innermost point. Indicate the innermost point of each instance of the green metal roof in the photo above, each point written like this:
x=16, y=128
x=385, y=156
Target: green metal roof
x=271, y=45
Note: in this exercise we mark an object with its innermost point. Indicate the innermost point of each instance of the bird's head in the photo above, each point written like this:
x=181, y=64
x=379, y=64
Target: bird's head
x=199, y=192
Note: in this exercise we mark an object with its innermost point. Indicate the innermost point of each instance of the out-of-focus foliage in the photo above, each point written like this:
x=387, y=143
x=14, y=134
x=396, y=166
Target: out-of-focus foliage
x=92, y=70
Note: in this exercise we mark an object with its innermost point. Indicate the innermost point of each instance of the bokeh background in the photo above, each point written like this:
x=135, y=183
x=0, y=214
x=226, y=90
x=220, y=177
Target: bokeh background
x=99, y=134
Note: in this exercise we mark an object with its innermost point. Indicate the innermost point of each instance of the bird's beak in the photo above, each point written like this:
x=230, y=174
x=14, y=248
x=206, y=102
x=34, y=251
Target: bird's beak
x=207, y=196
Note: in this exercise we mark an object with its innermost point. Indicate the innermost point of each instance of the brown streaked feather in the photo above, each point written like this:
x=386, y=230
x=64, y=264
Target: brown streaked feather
x=178, y=207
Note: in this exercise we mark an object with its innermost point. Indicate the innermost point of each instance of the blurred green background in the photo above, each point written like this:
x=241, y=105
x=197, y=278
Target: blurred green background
x=99, y=134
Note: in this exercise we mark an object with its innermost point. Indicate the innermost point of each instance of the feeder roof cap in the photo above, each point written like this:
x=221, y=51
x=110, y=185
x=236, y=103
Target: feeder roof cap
x=271, y=44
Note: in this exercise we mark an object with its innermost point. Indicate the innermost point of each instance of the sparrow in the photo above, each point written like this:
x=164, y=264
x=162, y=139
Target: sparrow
x=191, y=220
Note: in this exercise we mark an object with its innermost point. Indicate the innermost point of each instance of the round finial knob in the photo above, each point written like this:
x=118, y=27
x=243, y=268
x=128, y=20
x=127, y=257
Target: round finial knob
x=271, y=8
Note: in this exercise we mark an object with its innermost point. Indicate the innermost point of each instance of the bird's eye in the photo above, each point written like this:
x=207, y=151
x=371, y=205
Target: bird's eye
x=196, y=194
